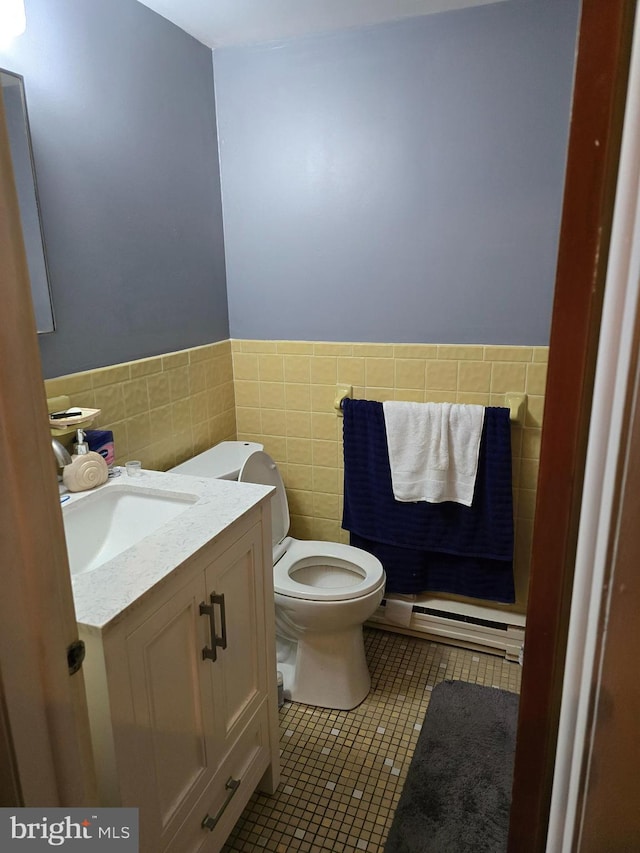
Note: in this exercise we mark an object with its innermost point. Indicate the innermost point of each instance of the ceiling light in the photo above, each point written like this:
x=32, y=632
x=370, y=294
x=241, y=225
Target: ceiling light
x=13, y=21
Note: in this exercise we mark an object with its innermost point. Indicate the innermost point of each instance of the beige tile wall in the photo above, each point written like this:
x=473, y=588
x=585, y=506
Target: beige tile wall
x=165, y=409
x=285, y=392
x=161, y=410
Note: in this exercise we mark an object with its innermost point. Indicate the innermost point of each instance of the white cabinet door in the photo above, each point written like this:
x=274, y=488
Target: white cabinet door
x=173, y=708
x=237, y=658
x=235, y=587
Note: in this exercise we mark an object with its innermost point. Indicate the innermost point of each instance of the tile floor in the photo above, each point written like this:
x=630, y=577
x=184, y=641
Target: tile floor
x=342, y=772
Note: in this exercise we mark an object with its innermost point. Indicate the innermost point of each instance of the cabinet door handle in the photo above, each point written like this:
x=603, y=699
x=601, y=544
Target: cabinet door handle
x=209, y=653
x=208, y=610
x=219, y=600
x=231, y=787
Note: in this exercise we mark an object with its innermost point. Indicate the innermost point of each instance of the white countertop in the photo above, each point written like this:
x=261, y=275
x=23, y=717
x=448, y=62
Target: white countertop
x=105, y=593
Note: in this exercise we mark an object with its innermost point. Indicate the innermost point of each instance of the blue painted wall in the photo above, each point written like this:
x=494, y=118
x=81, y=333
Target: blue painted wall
x=398, y=183
x=122, y=116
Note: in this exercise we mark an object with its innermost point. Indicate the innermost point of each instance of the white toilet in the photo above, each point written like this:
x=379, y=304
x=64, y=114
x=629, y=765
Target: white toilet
x=324, y=591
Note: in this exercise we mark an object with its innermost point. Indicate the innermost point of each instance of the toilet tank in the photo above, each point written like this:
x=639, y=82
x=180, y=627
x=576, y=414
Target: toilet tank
x=222, y=462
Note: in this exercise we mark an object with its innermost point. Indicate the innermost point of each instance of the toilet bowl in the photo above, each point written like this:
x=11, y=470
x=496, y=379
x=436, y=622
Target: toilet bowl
x=324, y=591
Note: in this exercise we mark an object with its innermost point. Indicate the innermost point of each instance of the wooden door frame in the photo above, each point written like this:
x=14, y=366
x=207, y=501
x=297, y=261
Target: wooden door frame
x=606, y=814
x=604, y=45
x=44, y=729
x=604, y=603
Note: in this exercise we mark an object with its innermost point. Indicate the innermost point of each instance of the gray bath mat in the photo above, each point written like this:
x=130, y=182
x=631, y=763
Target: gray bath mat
x=457, y=795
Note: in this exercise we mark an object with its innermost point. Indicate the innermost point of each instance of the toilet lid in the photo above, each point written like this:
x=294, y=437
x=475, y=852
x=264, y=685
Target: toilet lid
x=260, y=468
x=223, y=461
x=326, y=571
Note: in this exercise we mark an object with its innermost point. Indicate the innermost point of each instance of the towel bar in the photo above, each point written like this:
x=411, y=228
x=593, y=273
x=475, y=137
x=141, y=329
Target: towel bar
x=516, y=403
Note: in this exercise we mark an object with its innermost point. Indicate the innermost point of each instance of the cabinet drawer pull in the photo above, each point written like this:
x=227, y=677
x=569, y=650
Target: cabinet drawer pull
x=231, y=787
x=208, y=610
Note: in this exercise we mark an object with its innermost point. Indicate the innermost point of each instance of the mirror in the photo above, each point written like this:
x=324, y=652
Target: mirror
x=15, y=108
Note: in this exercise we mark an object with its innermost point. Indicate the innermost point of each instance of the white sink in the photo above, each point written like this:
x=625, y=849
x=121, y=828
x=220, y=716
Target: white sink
x=105, y=523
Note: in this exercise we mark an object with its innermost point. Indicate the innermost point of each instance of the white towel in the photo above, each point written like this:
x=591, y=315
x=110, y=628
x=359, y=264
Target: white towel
x=433, y=450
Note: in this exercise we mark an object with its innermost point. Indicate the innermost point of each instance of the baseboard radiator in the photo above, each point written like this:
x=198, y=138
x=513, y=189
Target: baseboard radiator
x=459, y=624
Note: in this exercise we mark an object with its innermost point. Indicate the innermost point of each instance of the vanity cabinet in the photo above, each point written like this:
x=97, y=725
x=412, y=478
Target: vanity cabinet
x=183, y=697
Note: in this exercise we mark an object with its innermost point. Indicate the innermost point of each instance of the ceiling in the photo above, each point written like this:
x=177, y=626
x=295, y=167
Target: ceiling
x=219, y=23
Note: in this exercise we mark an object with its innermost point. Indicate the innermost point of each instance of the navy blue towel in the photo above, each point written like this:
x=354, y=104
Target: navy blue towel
x=445, y=547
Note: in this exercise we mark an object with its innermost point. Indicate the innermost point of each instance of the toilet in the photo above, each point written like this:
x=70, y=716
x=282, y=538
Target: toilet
x=324, y=591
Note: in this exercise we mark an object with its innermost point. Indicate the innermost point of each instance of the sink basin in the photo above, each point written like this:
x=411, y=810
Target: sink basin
x=104, y=524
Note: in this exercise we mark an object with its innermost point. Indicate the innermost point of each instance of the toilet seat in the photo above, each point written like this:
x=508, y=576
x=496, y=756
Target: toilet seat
x=311, y=570
x=326, y=571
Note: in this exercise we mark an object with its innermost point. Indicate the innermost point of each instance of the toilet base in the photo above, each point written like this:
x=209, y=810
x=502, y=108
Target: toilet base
x=326, y=670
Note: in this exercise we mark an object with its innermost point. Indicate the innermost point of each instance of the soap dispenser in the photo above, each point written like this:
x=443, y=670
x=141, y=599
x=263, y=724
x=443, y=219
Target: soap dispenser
x=87, y=468
x=81, y=447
